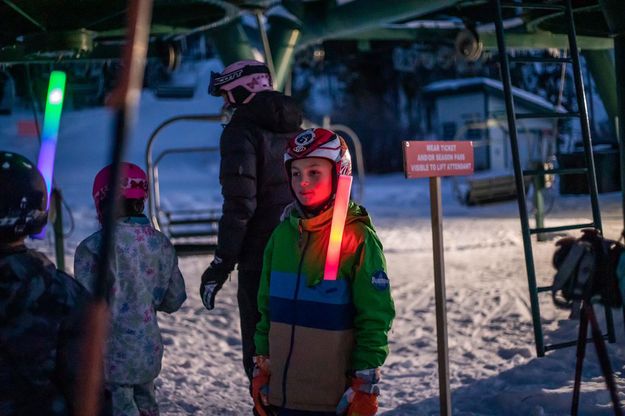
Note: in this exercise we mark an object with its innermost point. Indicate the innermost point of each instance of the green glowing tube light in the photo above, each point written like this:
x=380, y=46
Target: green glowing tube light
x=50, y=133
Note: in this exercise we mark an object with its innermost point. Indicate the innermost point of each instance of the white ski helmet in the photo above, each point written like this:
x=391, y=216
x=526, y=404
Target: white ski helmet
x=241, y=81
x=321, y=143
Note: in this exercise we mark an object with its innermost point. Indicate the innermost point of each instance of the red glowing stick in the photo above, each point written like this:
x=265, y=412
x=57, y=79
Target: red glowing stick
x=341, y=201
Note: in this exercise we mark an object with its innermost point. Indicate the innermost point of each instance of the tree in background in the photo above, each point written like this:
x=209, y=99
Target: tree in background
x=377, y=90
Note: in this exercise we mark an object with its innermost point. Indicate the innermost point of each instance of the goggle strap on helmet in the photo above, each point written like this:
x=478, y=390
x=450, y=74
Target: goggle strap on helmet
x=218, y=79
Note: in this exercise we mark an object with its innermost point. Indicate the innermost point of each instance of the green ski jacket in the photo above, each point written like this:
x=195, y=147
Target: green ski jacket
x=317, y=331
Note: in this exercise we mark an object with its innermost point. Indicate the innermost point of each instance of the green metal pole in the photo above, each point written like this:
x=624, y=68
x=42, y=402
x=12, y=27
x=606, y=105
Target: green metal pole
x=283, y=36
x=614, y=13
x=619, y=61
x=539, y=205
x=352, y=17
x=232, y=43
x=59, y=243
x=518, y=176
x=267, y=47
x=601, y=67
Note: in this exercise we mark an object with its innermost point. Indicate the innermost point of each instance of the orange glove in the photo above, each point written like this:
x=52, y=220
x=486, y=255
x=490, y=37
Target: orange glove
x=361, y=398
x=260, y=384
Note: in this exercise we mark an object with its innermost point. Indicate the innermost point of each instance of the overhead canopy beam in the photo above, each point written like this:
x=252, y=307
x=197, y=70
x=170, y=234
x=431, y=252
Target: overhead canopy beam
x=532, y=40
x=544, y=40
x=74, y=31
x=601, y=66
x=344, y=21
x=284, y=35
x=614, y=13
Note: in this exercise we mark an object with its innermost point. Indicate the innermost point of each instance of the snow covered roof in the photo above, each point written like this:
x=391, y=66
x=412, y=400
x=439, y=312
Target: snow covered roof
x=451, y=86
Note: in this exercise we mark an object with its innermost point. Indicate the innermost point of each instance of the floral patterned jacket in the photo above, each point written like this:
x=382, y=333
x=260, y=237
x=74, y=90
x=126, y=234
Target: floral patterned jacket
x=146, y=279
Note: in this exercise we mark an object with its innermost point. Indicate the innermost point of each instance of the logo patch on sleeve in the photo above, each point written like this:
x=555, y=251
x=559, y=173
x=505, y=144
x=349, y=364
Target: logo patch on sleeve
x=379, y=280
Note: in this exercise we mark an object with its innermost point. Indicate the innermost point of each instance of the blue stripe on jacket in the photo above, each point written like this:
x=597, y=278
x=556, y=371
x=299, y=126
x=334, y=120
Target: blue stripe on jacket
x=326, y=305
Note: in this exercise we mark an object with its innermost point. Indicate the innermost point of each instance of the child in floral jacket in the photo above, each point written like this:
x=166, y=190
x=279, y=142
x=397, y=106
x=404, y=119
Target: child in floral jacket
x=146, y=279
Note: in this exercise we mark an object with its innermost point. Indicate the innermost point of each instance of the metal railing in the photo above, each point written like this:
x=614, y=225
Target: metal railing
x=154, y=208
x=208, y=218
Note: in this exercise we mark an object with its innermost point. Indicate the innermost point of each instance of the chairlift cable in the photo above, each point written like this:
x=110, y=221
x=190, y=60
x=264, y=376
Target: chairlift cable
x=24, y=14
x=105, y=18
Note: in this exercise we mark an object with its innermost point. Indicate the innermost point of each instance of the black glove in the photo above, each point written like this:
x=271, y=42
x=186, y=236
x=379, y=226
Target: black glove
x=213, y=279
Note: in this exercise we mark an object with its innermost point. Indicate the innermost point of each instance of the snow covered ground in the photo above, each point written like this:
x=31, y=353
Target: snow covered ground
x=493, y=366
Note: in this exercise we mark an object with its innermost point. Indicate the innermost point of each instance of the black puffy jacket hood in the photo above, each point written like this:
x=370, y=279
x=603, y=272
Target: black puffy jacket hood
x=272, y=111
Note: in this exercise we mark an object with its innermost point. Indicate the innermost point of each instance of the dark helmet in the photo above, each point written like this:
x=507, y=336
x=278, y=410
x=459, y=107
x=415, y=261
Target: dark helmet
x=23, y=205
x=240, y=81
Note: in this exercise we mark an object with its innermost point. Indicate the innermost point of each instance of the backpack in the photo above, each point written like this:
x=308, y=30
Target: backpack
x=587, y=268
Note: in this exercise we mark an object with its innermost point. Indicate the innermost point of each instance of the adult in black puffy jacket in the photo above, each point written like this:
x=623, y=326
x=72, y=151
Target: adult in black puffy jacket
x=253, y=184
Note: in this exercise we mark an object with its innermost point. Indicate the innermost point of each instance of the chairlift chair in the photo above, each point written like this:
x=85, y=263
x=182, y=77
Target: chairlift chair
x=195, y=231
x=191, y=231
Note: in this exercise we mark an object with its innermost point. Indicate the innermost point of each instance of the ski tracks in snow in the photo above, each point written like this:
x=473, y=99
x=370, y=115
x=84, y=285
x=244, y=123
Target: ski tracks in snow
x=488, y=315
x=491, y=345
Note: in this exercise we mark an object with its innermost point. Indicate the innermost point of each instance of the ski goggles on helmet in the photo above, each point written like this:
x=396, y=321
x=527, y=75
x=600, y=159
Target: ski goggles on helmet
x=218, y=79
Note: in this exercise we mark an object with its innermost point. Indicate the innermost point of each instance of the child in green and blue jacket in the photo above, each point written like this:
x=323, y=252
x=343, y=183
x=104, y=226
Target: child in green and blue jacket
x=320, y=343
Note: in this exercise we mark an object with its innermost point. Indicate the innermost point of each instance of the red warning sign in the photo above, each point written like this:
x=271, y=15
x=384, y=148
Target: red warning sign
x=439, y=158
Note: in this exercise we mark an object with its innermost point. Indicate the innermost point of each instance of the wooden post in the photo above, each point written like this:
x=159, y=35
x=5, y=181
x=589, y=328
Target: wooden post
x=439, y=295
x=434, y=159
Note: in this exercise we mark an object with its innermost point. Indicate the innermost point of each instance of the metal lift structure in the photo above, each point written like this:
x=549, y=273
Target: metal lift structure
x=589, y=170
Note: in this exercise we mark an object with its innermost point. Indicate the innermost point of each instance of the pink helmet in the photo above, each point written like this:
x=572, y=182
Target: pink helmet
x=133, y=184
x=321, y=143
x=241, y=81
